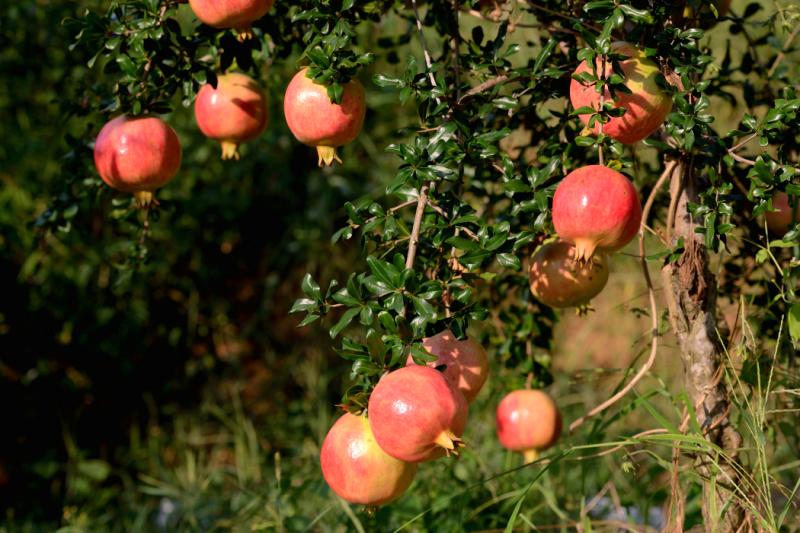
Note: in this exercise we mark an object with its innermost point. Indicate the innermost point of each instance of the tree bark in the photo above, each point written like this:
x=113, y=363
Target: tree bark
x=691, y=294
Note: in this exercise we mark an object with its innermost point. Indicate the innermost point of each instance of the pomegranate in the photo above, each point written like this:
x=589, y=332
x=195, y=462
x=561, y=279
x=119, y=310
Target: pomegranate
x=558, y=280
x=234, y=112
x=781, y=219
x=236, y=14
x=137, y=155
x=597, y=209
x=467, y=366
x=417, y=415
x=646, y=106
x=528, y=421
x=316, y=121
x=357, y=469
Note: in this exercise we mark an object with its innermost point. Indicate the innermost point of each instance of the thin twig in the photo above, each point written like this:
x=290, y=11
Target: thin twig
x=782, y=53
x=414, y=240
x=668, y=171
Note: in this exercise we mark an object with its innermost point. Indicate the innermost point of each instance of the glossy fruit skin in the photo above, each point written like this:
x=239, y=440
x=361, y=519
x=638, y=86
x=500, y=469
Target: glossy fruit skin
x=416, y=414
x=780, y=220
x=137, y=155
x=528, y=420
x=316, y=121
x=466, y=361
x=597, y=209
x=357, y=469
x=234, y=112
x=646, y=106
x=237, y=14
x=558, y=280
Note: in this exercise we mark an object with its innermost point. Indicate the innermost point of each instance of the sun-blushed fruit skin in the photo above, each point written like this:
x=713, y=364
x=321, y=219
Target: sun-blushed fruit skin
x=416, y=414
x=357, y=469
x=234, y=112
x=558, y=280
x=779, y=221
x=597, y=209
x=466, y=361
x=528, y=421
x=316, y=121
x=138, y=154
x=646, y=106
x=237, y=14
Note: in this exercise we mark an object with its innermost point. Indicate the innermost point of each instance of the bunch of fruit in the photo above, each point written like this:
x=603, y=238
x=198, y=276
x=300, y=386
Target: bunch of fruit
x=596, y=210
x=418, y=413
x=142, y=154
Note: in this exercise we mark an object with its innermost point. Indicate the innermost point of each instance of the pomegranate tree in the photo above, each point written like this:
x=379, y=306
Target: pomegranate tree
x=557, y=279
x=646, y=105
x=467, y=366
x=317, y=121
x=528, y=421
x=233, y=112
x=357, y=469
x=236, y=14
x=417, y=415
x=784, y=216
x=137, y=155
x=597, y=209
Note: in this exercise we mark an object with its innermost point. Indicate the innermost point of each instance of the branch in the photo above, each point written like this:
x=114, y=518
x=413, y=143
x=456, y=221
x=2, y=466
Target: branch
x=665, y=176
x=782, y=53
x=414, y=241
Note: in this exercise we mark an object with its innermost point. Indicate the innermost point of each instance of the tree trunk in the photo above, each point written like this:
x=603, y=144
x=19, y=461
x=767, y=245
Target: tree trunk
x=691, y=294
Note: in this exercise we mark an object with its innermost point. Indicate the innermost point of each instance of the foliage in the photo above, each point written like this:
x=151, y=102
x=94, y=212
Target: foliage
x=142, y=321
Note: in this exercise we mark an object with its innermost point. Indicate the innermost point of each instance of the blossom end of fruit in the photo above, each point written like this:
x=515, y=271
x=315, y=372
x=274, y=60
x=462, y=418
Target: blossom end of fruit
x=327, y=155
x=230, y=150
x=530, y=456
x=144, y=199
x=450, y=442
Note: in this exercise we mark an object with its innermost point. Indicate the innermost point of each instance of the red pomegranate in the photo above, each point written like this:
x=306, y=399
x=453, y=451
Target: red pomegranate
x=528, y=421
x=357, y=469
x=236, y=14
x=646, y=106
x=597, y=209
x=234, y=112
x=316, y=121
x=781, y=219
x=417, y=415
x=558, y=280
x=466, y=361
x=137, y=155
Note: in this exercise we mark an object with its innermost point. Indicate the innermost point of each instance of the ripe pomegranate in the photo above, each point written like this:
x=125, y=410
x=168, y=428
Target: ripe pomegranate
x=357, y=469
x=646, y=106
x=236, y=14
x=781, y=219
x=316, y=121
x=234, y=112
x=596, y=208
x=466, y=362
x=137, y=155
x=558, y=280
x=417, y=415
x=528, y=421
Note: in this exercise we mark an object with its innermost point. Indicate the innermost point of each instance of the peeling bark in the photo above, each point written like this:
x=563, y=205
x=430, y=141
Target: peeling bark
x=691, y=293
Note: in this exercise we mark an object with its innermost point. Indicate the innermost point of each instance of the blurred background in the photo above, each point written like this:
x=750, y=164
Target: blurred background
x=181, y=395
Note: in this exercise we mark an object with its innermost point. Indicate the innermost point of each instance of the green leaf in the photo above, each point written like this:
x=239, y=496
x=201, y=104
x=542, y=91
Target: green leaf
x=793, y=319
x=347, y=317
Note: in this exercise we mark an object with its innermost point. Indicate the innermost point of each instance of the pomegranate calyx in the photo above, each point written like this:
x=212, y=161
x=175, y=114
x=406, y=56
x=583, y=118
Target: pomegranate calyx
x=584, y=250
x=244, y=33
x=230, y=150
x=531, y=455
x=144, y=199
x=450, y=442
x=327, y=155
